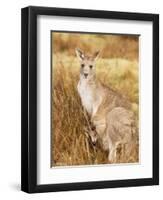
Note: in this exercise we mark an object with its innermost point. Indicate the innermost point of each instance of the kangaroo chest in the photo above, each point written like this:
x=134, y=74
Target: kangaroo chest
x=87, y=96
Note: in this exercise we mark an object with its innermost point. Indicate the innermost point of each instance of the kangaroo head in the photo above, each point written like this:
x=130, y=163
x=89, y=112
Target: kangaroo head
x=87, y=63
x=93, y=136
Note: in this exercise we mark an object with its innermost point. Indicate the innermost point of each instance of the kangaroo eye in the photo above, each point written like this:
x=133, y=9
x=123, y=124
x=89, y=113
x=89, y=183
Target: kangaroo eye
x=82, y=65
x=90, y=66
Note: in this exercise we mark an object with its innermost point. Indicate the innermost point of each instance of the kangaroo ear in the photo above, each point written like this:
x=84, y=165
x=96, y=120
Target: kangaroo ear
x=96, y=55
x=79, y=54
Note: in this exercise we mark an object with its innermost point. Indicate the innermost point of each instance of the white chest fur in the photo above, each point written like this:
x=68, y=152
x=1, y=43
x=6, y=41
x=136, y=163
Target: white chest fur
x=86, y=94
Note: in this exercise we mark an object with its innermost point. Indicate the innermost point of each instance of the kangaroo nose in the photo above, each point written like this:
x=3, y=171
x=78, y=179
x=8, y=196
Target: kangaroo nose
x=85, y=74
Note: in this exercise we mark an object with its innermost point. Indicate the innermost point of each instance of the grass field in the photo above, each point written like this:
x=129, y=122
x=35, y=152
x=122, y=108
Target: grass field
x=116, y=67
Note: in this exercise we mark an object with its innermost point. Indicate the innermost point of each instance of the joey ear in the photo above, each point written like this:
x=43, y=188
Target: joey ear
x=96, y=55
x=79, y=53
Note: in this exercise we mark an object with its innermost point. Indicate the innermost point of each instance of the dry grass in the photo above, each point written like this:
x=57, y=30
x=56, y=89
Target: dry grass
x=116, y=68
x=112, y=46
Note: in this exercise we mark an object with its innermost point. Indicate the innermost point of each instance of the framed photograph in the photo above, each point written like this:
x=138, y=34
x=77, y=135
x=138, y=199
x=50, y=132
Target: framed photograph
x=90, y=99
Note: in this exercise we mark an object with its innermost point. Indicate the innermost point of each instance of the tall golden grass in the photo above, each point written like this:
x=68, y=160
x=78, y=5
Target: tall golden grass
x=117, y=67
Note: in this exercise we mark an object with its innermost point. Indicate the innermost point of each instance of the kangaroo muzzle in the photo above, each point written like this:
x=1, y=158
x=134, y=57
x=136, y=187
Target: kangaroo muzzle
x=85, y=75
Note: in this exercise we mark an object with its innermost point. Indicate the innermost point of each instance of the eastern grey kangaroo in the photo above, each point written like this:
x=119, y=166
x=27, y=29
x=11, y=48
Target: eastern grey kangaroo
x=113, y=122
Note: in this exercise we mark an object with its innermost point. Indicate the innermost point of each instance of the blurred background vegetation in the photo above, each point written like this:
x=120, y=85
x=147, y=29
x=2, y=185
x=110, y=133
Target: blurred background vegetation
x=111, y=46
x=117, y=67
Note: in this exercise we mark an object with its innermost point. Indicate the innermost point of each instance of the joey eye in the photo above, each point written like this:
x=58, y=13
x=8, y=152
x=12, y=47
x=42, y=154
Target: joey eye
x=82, y=65
x=90, y=66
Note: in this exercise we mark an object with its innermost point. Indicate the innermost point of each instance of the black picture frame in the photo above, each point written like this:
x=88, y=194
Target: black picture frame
x=29, y=98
